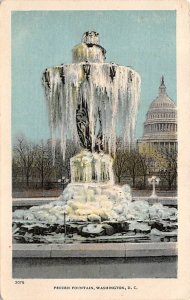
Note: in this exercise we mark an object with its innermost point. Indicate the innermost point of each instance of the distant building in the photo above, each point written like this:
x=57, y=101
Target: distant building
x=160, y=127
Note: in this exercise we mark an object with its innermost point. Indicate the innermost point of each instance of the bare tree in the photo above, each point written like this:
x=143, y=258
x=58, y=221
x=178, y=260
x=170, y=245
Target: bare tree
x=168, y=165
x=162, y=160
x=62, y=167
x=129, y=162
x=23, y=157
x=120, y=163
x=144, y=161
x=134, y=165
x=43, y=161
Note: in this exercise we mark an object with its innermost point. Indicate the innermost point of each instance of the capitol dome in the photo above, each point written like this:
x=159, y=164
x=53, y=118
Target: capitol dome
x=160, y=127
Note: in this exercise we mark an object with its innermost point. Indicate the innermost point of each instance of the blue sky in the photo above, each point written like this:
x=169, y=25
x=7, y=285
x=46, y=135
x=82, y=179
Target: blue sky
x=145, y=40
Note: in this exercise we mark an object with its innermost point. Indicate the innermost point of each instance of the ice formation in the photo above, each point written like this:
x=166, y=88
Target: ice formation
x=91, y=102
x=92, y=167
x=94, y=204
x=91, y=99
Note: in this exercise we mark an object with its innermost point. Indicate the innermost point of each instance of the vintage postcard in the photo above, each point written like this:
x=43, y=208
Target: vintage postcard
x=95, y=149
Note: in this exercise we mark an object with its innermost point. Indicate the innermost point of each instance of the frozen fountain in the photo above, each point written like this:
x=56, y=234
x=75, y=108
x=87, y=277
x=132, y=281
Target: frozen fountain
x=92, y=103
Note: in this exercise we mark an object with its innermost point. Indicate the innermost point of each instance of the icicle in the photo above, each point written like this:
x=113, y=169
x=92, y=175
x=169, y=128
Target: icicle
x=115, y=98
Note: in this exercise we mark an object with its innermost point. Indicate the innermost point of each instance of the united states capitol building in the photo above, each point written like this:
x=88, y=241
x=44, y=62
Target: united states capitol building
x=160, y=126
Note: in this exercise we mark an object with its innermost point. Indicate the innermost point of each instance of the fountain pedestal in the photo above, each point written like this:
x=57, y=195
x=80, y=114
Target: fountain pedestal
x=92, y=195
x=91, y=167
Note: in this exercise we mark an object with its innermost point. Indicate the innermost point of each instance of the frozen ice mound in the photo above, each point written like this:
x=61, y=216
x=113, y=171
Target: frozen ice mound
x=92, y=203
x=102, y=202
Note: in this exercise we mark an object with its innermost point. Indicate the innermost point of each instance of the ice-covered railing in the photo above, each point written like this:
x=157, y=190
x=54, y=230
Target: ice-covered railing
x=111, y=93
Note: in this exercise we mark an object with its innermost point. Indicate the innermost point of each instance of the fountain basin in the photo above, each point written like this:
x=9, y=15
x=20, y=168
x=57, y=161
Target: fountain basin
x=95, y=250
x=93, y=219
x=95, y=261
x=28, y=202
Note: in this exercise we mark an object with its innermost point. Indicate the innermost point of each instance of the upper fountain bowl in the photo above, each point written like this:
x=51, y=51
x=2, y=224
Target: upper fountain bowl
x=89, y=50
